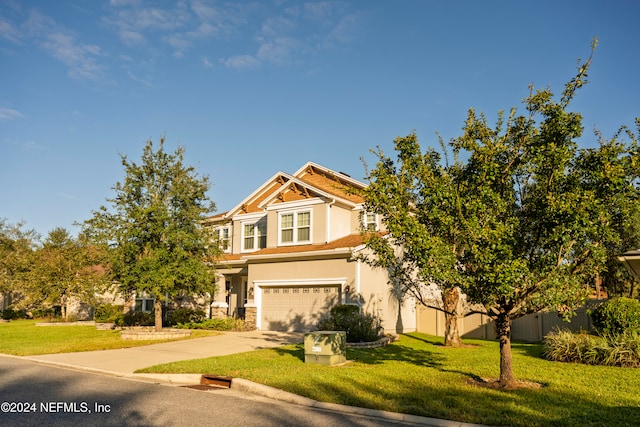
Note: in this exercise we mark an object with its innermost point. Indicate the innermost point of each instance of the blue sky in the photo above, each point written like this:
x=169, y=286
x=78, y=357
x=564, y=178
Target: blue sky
x=251, y=88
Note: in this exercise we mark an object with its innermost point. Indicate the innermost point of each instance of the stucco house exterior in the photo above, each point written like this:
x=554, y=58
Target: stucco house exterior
x=291, y=253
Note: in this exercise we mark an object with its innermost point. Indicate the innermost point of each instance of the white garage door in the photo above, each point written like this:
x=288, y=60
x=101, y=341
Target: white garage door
x=296, y=308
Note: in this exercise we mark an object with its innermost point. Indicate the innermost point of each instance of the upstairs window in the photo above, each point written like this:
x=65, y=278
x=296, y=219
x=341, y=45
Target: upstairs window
x=223, y=235
x=370, y=221
x=295, y=227
x=254, y=235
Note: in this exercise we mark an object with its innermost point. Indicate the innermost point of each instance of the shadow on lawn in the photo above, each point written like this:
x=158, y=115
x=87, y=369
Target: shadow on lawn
x=373, y=356
x=396, y=352
x=459, y=400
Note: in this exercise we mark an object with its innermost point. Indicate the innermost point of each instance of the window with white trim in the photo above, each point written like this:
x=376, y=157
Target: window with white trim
x=370, y=221
x=295, y=227
x=223, y=235
x=254, y=235
x=145, y=302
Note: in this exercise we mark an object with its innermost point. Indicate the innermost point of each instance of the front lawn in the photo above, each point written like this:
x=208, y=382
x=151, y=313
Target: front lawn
x=417, y=375
x=24, y=338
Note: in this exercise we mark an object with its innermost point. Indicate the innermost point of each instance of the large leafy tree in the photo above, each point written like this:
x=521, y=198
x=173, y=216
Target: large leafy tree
x=63, y=271
x=511, y=221
x=416, y=198
x=153, y=228
x=16, y=248
x=610, y=172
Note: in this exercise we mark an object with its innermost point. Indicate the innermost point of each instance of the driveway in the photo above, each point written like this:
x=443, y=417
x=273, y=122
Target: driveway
x=127, y=360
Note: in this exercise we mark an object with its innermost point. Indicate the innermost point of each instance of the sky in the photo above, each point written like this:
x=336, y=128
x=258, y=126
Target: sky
x=250, y=88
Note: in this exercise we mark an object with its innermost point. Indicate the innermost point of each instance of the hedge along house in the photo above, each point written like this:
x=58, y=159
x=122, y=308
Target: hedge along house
x=291, y=253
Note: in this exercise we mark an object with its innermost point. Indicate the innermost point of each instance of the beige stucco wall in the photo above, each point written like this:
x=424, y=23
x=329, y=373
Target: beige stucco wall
x=355, y=220
x=304, y=270
x=397, y=317
x=340, y=222
x=272, y=229
x=328, y=222
x=318, y=223
x=366, y=285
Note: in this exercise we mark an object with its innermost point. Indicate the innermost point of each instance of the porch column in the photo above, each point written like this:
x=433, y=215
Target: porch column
x=220, y=293
x=219, y=310
x=251, y=315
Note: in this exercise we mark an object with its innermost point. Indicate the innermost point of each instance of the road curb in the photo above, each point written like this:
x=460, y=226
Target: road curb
x=249, y=387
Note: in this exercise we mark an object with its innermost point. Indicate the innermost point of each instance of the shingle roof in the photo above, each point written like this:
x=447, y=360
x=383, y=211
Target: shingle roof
x=317, y=177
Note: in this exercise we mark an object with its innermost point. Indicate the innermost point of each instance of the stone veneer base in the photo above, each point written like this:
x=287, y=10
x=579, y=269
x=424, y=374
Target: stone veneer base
x=380, y=343
x=134, y=334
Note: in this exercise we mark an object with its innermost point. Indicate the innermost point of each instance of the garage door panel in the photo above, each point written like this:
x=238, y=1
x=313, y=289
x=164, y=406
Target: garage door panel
x=296, y=308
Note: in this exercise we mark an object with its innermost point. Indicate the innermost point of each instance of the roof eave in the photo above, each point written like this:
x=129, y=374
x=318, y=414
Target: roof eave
x=291, y=256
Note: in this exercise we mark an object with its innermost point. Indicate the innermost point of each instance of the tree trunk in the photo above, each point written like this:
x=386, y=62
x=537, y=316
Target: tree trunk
x=399, y=324
x=451, y=333
x=157, y=306
x=63, y=307
x=503, y=330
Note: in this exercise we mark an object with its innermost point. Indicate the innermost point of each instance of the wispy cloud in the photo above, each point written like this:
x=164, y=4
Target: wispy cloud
x=180, y=27
x=9, y=31
x=289, y=35
x=10, y=114
x=240, y=62
x=59, y=41
x=278, y=33
x=80, y=58
x=279, y=50
x=145, y=81
x=132, y=20
x=28, y=146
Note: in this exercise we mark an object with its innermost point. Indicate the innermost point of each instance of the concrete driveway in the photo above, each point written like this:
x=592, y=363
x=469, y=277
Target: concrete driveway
x=127, y=360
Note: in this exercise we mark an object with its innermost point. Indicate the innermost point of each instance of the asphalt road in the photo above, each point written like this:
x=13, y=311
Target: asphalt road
x=33, y=394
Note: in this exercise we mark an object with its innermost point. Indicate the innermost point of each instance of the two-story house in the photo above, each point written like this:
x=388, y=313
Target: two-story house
x=291, y=251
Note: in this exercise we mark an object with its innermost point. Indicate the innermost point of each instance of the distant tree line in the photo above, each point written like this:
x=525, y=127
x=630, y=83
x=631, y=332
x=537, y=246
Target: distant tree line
x=149, y=240
x=37, y=275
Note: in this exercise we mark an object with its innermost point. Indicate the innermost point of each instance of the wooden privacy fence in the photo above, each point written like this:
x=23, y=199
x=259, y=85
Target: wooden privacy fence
x=530, y=328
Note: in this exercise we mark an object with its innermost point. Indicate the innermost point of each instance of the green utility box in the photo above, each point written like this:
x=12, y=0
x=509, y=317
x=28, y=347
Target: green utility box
x=325, y=347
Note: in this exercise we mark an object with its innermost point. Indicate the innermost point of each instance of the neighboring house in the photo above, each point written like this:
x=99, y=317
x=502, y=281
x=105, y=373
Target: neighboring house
x=291, y=251
x=631, y=260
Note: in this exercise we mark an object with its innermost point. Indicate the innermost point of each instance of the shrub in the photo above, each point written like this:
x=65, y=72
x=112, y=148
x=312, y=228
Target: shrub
x=610, y=349
x=135, y=318
x=616, y=316
x=11, y=314
x=360, y=327
x=565, y=346
x=42, y=313
x=185, y=315
x=622, y=350
x=108, y=313
x=226, y=324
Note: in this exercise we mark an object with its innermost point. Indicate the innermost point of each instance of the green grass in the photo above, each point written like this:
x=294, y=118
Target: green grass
x=24, y=338
x=417, y=375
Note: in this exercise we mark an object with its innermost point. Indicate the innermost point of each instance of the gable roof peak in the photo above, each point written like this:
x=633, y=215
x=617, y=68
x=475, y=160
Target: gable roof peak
x=311, y=168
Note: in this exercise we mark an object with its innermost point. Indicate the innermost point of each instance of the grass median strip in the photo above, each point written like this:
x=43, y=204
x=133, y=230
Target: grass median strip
x=24, y=338
x=417, y=375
